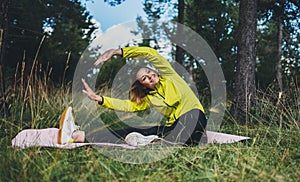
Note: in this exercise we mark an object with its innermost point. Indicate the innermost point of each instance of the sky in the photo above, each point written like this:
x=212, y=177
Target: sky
x=112, y=20
x=108, y=16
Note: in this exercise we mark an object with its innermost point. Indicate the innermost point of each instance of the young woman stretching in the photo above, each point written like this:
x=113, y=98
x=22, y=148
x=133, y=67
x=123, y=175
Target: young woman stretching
x=166, y=91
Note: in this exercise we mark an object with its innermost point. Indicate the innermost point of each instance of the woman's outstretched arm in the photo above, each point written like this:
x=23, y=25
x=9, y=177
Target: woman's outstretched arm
x=107, y=55
x=90, y=93
x=112, y=103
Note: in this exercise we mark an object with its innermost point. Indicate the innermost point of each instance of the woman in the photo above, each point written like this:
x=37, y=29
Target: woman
x=167, y=92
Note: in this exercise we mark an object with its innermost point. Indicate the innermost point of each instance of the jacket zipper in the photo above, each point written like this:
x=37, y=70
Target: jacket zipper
x=164, y=100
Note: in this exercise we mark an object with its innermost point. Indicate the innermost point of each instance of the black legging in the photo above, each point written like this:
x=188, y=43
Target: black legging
x=188, y=129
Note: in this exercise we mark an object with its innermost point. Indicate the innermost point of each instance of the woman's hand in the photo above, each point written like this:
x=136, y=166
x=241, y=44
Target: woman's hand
x=90, y=93
x=107, y=55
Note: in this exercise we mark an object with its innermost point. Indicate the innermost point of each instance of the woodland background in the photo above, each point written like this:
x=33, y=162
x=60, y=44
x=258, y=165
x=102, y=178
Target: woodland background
x=258, y=47
x=256, y=43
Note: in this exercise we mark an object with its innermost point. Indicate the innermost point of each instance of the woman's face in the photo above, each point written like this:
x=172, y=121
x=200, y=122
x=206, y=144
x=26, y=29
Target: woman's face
x=147, y=77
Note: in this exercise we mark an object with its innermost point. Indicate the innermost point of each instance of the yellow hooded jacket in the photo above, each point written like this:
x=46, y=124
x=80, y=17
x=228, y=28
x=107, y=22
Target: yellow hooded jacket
x=172, y=96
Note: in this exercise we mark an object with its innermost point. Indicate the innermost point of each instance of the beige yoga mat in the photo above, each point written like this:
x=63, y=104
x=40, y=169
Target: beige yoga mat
x=216, y=137
x=48, y=138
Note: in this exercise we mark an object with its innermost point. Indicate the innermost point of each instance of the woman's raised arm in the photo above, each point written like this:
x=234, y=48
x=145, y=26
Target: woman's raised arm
x=107, y=55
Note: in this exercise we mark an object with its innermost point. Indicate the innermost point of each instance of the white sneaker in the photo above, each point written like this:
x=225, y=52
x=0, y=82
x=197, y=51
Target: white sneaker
x=66, y=127
x=137, y=139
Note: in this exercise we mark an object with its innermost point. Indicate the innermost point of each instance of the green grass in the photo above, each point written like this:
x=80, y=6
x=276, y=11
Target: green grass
x=272, y=154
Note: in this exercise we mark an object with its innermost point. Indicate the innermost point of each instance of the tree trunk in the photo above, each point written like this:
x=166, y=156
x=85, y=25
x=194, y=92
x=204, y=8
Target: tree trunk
x=246, y=56
x=279, y=51
x=179, y=51
x=278, y=56
x=3, y=39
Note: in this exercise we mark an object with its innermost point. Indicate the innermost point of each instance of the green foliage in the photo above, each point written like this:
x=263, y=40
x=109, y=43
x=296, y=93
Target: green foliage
x=72, y=29
x=114, y=2
x=108, y=72
x=266, y=51
x=271, y=13
x=66, y=24
x=156, y=9
x=24, y=29
x=219, y=29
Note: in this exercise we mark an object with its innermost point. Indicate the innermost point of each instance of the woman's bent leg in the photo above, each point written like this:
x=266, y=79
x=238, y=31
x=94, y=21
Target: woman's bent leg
x=189, y=128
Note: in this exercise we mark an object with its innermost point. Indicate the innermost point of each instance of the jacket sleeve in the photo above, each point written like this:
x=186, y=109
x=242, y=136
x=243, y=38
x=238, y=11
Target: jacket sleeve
x=124, y=105
x=158, y=61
